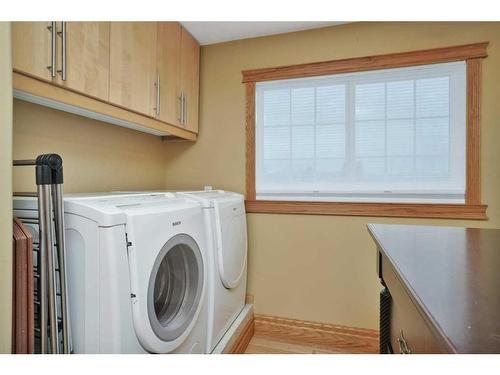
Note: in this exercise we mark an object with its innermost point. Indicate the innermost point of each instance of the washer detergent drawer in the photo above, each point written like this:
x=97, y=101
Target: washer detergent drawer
x=231, y=229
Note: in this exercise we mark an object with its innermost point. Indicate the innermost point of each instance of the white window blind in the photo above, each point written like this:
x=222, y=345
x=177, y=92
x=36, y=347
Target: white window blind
x=391, y=135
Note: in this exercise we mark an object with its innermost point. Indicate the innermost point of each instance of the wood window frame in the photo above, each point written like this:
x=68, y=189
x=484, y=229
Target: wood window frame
x=472, y=209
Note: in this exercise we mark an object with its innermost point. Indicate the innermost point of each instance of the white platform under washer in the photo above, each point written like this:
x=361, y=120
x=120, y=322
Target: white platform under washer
x=226, y=232
x=136, y=272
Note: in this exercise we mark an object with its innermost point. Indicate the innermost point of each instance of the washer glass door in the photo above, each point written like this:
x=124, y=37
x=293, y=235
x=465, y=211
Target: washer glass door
x=175, y=287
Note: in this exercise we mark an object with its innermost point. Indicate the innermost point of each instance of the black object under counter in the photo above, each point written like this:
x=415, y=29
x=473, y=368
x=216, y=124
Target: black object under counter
x=442, y=288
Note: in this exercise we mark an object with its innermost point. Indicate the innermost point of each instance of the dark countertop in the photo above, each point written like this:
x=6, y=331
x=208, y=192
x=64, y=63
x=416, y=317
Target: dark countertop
x=453, y=275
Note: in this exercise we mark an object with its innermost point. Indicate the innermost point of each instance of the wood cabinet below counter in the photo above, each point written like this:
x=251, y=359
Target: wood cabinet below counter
x=440, y=289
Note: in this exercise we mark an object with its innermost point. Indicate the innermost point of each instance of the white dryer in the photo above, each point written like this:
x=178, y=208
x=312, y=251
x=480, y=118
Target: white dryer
x=136, y=273
x=226, y=232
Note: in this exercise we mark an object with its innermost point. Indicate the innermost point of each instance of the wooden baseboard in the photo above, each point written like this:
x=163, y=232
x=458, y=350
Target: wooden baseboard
x=329, y=337
x=241, y=343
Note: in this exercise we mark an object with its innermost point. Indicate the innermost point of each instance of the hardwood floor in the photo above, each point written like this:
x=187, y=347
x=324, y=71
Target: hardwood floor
x=266, y=345
x=281, y=336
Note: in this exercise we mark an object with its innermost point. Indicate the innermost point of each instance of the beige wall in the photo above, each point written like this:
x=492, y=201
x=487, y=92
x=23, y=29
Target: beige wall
x=5, y=189
x=312, y=267
x=96, y=156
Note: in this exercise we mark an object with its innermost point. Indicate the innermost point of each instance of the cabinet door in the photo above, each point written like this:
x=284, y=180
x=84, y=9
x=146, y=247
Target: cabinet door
x=190, y=79
x=132, y=66
x=87, y=58
x=408, y=328
x=168, y=68
x=31, y=49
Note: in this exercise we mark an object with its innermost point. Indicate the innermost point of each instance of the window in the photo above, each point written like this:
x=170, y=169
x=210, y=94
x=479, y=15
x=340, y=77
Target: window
x=391, y=135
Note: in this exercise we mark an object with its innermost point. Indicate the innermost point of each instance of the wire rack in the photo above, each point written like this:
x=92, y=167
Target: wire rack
x=52, y=324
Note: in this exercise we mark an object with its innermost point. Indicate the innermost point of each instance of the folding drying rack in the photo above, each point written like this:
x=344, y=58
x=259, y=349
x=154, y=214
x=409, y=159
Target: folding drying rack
x=52, y=324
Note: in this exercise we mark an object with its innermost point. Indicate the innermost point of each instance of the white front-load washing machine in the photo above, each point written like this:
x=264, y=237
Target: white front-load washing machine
x=226, y=233
x=136, y=272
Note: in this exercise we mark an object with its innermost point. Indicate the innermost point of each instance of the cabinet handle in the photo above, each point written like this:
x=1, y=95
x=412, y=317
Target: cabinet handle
x=181, y=105
x=157, y=84
x=403, y=344
x=52, y=66
x=185, y=109
x=62, y=34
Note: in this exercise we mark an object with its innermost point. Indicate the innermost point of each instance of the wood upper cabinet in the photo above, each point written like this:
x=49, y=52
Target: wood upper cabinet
x=168, y=67
x=87, y=57
x=32, y=49
x=147, y=69
x=190, y=79
x=83, y=45
x=178, y=60
x=133, y=66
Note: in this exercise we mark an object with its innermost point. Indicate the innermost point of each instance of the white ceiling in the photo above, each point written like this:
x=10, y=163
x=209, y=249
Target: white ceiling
x=217, y=32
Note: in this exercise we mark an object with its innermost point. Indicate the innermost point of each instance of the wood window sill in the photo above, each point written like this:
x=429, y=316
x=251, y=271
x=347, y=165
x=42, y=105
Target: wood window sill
x=408, y=210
